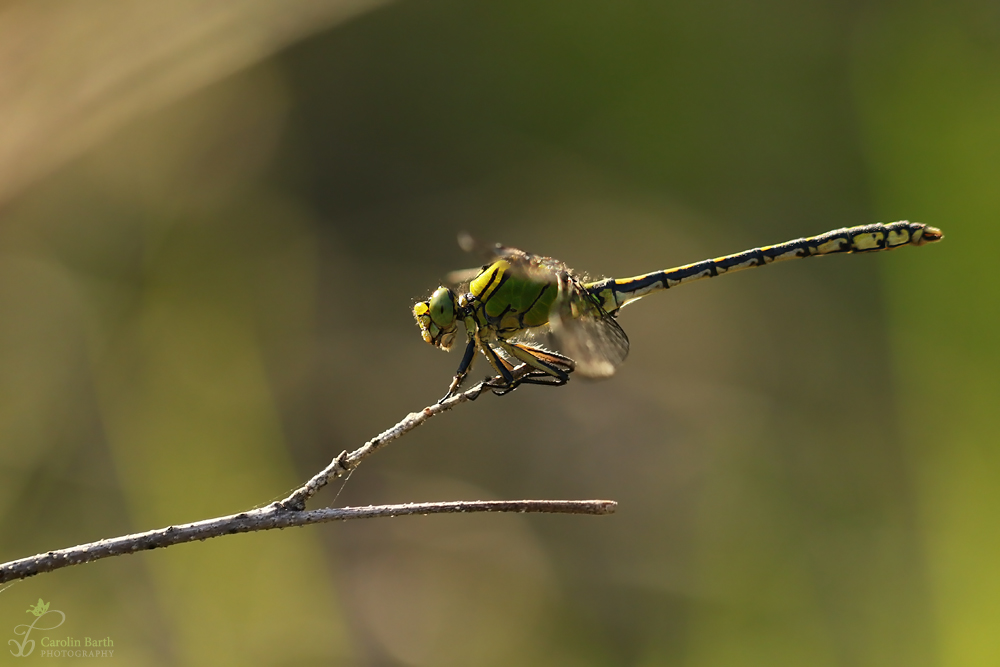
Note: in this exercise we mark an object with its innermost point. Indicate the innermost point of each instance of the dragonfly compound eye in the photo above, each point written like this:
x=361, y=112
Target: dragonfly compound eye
x=436, y=318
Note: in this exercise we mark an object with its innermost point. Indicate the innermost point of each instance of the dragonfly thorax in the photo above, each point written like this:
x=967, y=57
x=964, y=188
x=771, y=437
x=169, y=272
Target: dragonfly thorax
x=437, y=318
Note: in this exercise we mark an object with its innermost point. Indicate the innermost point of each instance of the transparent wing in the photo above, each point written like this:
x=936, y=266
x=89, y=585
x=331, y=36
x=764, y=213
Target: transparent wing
x=462, y=276
x=585, y=333
x=520, y=261
x=536, y=267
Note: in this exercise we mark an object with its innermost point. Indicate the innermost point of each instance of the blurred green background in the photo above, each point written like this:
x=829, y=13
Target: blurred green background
x=215, y=217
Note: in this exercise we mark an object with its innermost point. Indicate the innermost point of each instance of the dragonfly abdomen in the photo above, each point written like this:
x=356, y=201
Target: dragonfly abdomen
x=615, y=293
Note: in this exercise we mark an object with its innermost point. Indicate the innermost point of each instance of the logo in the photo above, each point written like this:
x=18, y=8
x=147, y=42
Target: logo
x=69, y=647
x=41, y=608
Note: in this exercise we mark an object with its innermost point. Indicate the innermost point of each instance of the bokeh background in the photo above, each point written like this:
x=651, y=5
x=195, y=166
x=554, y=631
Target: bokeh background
x=215, y=217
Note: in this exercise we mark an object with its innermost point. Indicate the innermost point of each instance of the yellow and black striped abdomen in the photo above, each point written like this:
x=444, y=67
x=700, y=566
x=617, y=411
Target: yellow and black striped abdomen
x=866, y=238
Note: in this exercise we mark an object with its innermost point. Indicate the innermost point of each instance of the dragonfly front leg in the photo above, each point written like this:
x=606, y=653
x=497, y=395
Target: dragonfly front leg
x=463, y=368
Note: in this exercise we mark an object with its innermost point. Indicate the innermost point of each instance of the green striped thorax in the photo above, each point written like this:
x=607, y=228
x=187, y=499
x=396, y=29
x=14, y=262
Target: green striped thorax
x=437, y=318
x=511, y=301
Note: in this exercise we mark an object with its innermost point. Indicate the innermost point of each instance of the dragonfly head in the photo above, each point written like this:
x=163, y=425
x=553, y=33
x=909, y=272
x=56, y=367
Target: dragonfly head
x=437, y=319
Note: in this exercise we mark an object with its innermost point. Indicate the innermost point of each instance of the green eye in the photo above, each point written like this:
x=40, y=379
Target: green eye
x=442, y=305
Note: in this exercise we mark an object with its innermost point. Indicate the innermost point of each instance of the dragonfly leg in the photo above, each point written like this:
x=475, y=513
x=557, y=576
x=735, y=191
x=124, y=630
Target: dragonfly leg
x=463, y=368
x=550, y=368
x=550, y=363
x=534, y=377
x=500, y=365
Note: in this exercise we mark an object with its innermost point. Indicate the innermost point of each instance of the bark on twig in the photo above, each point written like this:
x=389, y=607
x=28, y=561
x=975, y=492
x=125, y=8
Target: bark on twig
x=271, y=517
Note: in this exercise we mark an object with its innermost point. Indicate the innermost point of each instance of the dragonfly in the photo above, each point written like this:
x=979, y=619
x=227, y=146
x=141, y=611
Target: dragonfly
x=511, y=303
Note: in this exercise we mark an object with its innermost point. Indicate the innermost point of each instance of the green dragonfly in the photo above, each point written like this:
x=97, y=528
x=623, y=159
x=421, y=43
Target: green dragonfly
x=517, y=296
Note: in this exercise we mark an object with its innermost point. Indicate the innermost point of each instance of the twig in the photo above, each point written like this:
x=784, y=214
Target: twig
x=271, y=517
x=291, y=511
